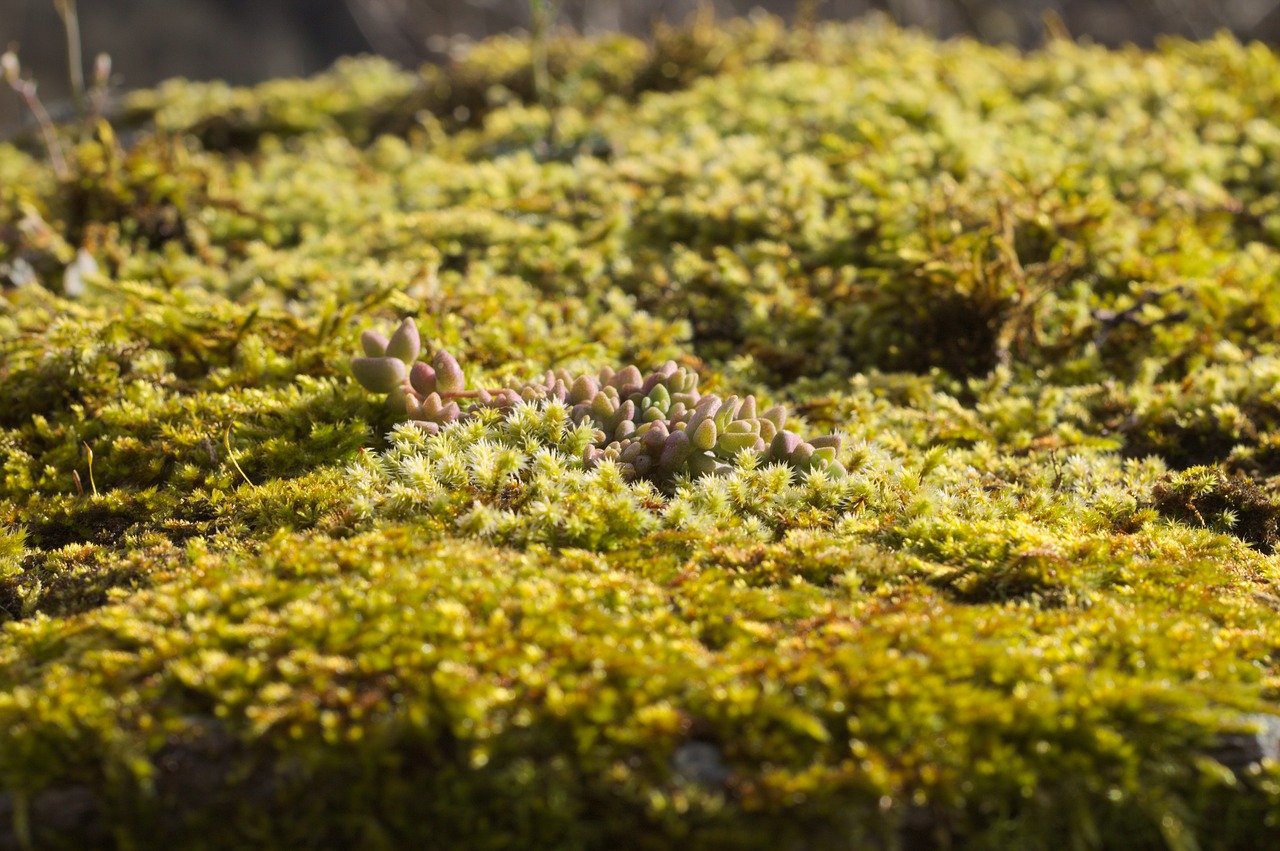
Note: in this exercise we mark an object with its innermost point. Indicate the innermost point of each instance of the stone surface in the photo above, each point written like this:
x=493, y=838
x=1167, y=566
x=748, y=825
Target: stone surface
x=1240, y=751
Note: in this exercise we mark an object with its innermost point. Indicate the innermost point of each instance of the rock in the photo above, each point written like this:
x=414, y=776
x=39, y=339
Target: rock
x=1239, y=751
x=701, y=763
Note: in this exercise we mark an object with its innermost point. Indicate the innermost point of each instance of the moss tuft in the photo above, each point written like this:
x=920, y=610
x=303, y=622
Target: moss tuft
x=1208, y=497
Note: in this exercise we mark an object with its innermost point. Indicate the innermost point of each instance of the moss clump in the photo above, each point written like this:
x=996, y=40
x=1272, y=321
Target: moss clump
x=824, y=438
x=351, y=98
x=1206, y=496
x=527, y=475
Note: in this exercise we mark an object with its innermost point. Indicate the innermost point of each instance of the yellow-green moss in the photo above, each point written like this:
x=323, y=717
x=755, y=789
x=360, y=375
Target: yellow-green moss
x=458, y=672
x=243, y=606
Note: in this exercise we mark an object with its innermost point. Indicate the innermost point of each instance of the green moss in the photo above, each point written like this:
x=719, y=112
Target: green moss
x=499, y=670
x=1205, y=496
x=245, y=605
x=342, y=100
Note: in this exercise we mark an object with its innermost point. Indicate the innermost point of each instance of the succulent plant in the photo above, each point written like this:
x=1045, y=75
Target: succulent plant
x=655, y=427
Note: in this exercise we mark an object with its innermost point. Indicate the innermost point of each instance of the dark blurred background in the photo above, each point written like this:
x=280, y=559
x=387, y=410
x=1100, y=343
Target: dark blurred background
x=244, y=41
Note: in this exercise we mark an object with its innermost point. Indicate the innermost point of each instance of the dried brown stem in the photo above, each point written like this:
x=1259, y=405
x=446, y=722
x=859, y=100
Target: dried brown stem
x=26, y=89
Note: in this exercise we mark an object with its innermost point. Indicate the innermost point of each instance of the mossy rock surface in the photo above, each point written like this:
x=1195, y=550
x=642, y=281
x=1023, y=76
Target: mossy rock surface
x=1036, y=604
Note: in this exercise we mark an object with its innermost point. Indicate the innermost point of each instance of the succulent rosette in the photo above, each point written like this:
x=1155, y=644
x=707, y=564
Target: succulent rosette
x=656, y=426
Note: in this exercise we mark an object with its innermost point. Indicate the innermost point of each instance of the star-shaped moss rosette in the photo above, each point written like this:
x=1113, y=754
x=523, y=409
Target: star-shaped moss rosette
x=654, y=426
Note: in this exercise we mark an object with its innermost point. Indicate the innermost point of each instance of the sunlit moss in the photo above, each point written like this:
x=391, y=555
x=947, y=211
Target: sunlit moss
x=1028, y=600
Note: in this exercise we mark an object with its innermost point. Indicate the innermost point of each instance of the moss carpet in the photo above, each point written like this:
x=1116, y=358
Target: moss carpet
x=1021, y=591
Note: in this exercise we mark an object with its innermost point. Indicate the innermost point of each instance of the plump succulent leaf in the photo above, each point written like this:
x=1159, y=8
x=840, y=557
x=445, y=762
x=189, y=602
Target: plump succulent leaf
x=422, y=378
x=379, y=375
x=704, y=436
x=374, y=344
x=449, y=377
x=405, y=343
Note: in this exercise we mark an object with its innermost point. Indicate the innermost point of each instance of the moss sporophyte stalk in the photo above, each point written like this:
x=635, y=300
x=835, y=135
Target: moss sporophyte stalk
x=994, y=567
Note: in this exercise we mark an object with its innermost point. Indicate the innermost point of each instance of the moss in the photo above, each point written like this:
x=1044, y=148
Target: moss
x=246, y=605
x=246, y=661
x=1206, y=496
x=319, y=499
x=346, y=99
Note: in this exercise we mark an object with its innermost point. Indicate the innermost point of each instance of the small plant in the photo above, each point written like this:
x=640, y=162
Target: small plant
x=26, y=89
x=656, y=426
x=88, y=102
